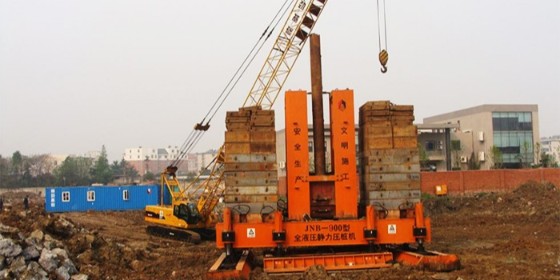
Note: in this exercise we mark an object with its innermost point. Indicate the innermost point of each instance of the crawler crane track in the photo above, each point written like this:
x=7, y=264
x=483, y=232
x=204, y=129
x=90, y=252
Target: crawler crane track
x=173, y=233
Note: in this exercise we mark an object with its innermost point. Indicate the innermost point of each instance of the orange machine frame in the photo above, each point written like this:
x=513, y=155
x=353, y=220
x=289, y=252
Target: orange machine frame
x=322, y=192
x=336, y=192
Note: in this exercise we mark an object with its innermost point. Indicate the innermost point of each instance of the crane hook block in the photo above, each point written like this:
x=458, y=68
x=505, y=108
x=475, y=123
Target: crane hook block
x=383, y=58
x=200, y=126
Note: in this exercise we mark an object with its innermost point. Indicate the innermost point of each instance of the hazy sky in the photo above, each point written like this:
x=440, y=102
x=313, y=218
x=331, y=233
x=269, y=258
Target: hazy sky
x=76, y=75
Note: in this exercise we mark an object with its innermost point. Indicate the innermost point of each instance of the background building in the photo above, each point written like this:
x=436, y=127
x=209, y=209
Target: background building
x=551, y=147
x=450, y=141
x=437, y=149
x=481, y=137
x=155, y=160
x=493, y=135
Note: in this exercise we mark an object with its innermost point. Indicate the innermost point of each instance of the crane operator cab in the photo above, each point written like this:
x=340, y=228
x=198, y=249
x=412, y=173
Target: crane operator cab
x=187, y=212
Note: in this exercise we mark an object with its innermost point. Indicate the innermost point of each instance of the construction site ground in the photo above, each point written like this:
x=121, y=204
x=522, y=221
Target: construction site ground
x=512, y=235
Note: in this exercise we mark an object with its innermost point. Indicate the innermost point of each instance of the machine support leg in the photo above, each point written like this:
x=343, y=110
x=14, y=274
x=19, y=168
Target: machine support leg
x=279, y=234
x=370, y=233
x=420, y=226
x=228, y=235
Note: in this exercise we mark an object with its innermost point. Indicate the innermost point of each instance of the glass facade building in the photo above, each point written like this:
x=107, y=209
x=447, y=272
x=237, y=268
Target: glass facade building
x=513, y=135
x=494, y=135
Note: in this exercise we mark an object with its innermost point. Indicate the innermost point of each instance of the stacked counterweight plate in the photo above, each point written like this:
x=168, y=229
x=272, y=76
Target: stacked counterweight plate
x=250, y=172
x=390, y=168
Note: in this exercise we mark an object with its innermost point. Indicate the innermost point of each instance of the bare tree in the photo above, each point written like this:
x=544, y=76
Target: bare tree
x=496, y=157
x=537, y=153
x=456, y=150
x=524, y=155
x=40, y=165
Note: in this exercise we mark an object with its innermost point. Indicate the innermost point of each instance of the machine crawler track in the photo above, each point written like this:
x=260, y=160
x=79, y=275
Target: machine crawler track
x=173, y=233
x=429, y=260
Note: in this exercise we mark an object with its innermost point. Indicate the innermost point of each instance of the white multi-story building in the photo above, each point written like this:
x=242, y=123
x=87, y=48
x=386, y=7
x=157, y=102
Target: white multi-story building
x=551, y=146
x=92, y=154
x=57, y=160
x=155, y=160
x=145, y=153
x=204, y=159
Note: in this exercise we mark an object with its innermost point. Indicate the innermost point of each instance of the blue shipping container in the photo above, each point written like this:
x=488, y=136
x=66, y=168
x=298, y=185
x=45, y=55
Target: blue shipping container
x=100, y=198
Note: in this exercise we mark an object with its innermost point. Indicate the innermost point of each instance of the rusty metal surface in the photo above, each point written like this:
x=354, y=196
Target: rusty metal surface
x=385, y=186
x=249, y=147
x=400, y=194
x=241, y=113
x=317, y=104
x=408, y=109
x=406, y=130
x=262, y=121
x=251, y=174
x=377, y=143
x=237, y=136
x=390, y=168
x=251, y=198
x=237, y=148
x=256, y=158
x=384, y=130
x=250, y=182
x=252, y=190
x=376, y=105
x=263, y=136
x=247, y=120
x=393, y=168
x=367, y=119
x=405, y=142
x=262, y=147
x=393, y=200
x=391, y=177
x=250, y=166
x=392, y=155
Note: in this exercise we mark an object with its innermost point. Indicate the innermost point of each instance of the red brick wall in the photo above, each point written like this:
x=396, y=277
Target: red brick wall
x=463, y=182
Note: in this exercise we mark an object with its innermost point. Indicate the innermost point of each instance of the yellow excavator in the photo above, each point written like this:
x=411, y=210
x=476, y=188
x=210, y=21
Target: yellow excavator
x=186, y=213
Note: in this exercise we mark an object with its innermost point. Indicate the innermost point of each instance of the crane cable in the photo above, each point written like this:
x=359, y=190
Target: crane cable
x=252, y=59
x=247, y=61
x=383, y=54
x=201, y=127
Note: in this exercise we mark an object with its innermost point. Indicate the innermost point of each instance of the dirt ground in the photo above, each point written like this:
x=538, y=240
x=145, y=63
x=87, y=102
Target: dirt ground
x=496, y=235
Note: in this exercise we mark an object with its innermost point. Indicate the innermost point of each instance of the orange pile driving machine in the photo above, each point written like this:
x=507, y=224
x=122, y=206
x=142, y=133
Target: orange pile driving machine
x=334, y=217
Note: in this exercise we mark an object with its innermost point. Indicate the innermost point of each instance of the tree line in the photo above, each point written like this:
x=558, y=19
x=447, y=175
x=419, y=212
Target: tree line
x=22, y=171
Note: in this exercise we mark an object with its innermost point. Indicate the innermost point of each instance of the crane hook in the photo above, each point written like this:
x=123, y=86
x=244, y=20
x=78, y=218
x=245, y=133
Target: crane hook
x=383, y=69
x=383, y=58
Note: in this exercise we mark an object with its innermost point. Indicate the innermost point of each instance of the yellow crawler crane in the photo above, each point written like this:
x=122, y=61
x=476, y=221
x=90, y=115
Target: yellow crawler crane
x=189, y=218
x=186, y=213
